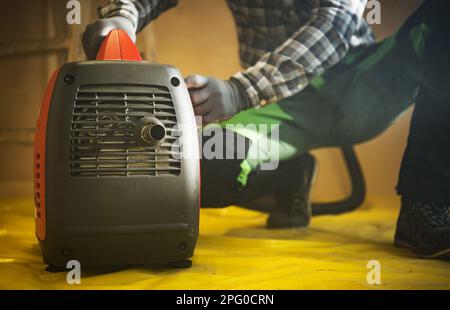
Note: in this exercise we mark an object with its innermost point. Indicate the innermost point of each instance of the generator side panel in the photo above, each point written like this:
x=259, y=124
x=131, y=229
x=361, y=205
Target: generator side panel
x=39, y=156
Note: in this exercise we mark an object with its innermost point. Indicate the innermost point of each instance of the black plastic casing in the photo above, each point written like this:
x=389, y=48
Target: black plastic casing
x=116, y=220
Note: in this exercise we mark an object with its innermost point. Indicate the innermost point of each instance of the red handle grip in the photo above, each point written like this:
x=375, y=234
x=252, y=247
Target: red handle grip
x=118, y=46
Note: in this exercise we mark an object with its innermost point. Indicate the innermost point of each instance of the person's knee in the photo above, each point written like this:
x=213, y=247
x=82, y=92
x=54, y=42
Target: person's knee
x=222, y=154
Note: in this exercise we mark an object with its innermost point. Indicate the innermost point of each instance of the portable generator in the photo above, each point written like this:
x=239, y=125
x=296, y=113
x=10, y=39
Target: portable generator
x=116, y=165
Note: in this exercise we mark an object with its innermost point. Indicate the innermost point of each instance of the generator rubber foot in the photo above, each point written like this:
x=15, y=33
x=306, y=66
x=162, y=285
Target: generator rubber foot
x=181, y=264
x=55, y=269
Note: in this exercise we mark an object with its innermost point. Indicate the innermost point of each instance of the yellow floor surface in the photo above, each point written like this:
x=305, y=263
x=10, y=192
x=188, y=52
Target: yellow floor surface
x=235, y=252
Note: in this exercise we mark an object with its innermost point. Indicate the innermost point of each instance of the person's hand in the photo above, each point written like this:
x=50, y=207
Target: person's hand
x=215, y=100
x=95, y=33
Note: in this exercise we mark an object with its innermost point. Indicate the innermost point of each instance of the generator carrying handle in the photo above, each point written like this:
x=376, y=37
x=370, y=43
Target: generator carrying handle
x=118, y=46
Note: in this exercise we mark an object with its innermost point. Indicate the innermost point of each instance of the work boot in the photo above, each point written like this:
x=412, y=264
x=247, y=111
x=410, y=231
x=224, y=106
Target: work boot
x=293, y=201
x=283, y=193
x=424, y=228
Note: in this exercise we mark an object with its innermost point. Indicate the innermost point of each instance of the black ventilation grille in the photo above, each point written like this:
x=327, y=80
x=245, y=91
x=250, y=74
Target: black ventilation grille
x=102, y=133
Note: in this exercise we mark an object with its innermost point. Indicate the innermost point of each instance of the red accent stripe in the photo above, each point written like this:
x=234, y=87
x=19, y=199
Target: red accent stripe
x=118, y=46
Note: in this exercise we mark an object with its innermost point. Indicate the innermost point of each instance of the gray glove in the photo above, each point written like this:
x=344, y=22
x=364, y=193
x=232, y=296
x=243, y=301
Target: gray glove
x=216, y=100
x=95, y=33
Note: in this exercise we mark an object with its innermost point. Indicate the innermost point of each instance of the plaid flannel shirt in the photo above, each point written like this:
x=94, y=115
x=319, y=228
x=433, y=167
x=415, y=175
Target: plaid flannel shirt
x=283, y=44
